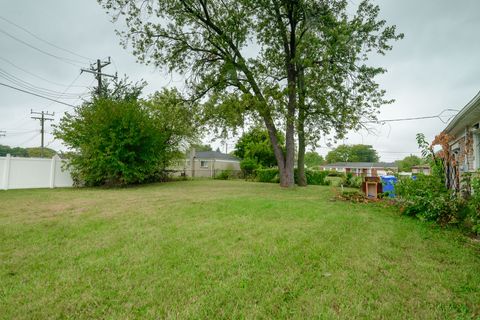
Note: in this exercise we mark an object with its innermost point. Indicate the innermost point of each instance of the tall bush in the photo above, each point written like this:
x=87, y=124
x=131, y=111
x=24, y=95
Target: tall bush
x=248, y=167
x=124, y=141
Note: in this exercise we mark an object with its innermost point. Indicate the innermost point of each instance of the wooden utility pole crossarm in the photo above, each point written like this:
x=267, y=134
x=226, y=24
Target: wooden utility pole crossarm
x=96, y=69
x=42, y=119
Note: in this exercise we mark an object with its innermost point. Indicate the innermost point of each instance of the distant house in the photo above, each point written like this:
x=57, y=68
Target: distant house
x=464, y=130
x=424, y=169
x=209, y=163
x=363, y=168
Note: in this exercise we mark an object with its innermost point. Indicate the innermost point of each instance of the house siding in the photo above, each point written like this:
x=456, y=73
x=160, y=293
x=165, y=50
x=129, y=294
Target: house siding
x=463, y=150
x=211, y=167
x=464, y=146
x=361, y=170
x=464, y=159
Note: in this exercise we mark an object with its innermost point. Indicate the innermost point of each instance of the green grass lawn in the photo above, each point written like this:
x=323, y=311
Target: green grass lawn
x=226, y=249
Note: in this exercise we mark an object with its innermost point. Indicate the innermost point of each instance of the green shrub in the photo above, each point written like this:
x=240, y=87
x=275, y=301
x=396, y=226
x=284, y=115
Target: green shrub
x=315, y=177
x=351, y=181
x=248, y=167
x=428, y=199
x=225, y=175
x=268, y=175
x=333, y=173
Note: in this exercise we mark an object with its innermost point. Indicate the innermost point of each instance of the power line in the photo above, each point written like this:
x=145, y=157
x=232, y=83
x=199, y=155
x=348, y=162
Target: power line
x=438, y=116
x=26, y=85
x=34, y=94
x=37, y=76
x=28, y=140
x=70, y=85
x=45, y=41
x=63, y=59
x=9, y=133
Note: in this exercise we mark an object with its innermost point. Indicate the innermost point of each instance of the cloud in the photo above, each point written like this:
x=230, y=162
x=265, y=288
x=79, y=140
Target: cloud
x=435, y=67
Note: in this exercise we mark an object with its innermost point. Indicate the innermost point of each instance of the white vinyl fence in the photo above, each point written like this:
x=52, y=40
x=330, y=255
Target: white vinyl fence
x=23, y=173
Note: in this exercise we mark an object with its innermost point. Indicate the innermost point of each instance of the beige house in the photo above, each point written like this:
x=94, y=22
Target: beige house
x=464, y=131
x=374, y=169
x=209, y=164
x=424, y=169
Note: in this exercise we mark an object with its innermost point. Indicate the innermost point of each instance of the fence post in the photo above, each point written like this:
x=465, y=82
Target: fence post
x=53, y=166
x=6, y=172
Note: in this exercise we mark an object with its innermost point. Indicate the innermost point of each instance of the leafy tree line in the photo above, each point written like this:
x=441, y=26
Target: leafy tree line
x=26, y=152
x=296, y=67
x=408, y=162
x=352, y=153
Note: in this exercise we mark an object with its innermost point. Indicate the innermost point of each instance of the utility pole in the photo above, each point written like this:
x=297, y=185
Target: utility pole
x=96, y=69
x=42, y=119
x=2, y=133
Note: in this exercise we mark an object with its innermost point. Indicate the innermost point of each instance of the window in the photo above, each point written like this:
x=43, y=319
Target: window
x=187, y=163
x=204, y=164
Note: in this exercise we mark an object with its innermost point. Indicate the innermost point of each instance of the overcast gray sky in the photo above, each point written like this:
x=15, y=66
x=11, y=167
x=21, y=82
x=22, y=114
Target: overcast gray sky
x=434, y=68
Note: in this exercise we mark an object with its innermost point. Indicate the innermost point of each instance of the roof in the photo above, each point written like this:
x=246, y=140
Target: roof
x=215, y=155
x=470, y=114
x=361, y=165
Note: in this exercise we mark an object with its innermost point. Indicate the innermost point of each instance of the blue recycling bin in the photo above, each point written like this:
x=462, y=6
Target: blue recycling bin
x=389, y=185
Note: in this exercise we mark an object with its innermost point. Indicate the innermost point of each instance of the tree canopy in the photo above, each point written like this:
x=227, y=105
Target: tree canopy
x=255, y=145
x=408, y=162
x=352, y=153
x=313, y=159
x=201, y=147
x=292, y=65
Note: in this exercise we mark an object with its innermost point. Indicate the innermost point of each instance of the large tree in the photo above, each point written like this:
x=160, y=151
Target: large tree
x=337, y=90
x=352, y=153
x=250, y=51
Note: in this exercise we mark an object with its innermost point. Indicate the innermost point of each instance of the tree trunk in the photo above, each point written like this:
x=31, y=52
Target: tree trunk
x=288, y=174
x=287, y=179
x=302, y=179
x=284, y=174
